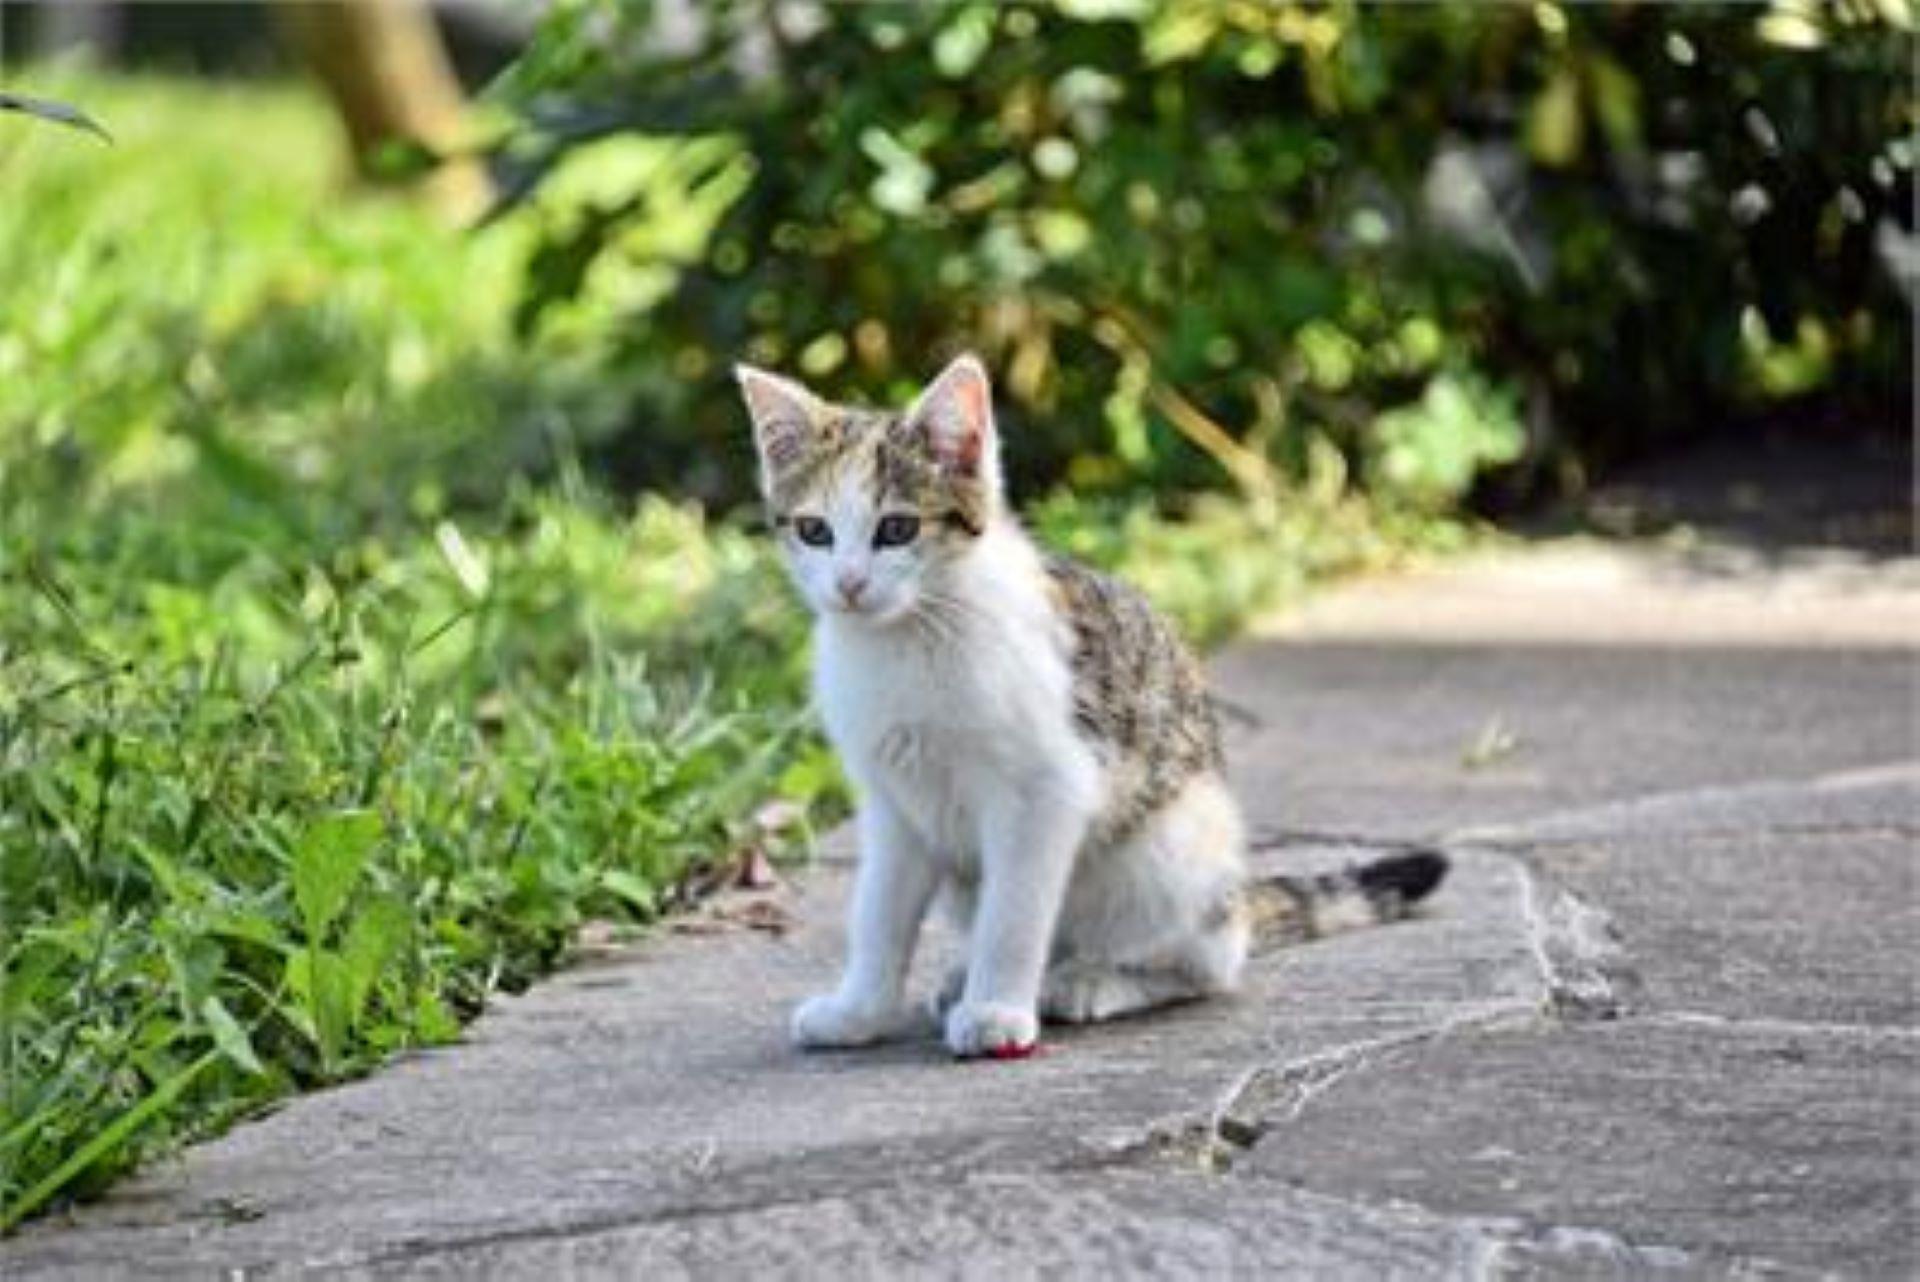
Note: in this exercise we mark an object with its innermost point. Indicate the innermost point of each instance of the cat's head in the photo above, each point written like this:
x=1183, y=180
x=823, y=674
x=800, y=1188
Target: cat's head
x=874, y=509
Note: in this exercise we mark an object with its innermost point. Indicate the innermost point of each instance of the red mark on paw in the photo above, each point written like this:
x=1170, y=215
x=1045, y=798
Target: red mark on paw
x=1014, y=1050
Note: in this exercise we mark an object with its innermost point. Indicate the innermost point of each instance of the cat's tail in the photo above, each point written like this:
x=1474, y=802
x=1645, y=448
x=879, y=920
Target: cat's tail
x=1296, y=909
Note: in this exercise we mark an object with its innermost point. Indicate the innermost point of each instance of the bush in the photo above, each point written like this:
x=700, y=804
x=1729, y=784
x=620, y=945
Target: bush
x=1205, y=242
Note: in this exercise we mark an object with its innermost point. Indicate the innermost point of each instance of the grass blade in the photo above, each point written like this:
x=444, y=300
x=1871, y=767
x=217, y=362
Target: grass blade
x=105, y=1141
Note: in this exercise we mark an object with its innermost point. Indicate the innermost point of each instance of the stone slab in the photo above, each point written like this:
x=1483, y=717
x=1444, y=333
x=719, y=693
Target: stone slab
x=1731, y=1141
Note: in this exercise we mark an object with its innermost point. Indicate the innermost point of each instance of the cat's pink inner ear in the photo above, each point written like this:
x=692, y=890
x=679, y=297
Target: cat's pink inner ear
x=956, y=412
x=783, y=414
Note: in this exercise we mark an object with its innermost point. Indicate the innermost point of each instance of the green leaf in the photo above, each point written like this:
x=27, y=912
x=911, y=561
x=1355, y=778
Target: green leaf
x=327, y=862
x=372, y=942
x=229, y=1036
x=433, y=1023
x=958, y=48
x=1179, y=32
x=1616, y=100
x=164, y=870
x=634, y=890
x=1555, y=126
x=319, y=980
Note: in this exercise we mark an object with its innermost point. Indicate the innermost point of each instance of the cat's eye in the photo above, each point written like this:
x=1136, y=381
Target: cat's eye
x=895, y=531
x=813, y=531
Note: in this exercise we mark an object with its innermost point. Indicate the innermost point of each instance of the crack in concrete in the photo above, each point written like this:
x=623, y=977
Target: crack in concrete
x=1267, y=1096
x=586, y=1227
x=1577, y=949
x=1581, y=970
x=1484, y=1246
x=1704, y=1020
x=1516, y=1248
x=748, y=1189
x=1585, y=975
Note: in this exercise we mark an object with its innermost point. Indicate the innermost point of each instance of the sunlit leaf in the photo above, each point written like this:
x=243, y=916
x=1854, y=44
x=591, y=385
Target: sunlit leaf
x=327, y=863
x=229, y=1036
x=634, y=890
x=323, y=989
x=1555, y=125
x=375, y=938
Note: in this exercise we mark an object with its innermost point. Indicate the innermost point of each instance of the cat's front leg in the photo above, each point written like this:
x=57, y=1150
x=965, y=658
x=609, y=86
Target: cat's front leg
x=892, y=887
x=1028, y=852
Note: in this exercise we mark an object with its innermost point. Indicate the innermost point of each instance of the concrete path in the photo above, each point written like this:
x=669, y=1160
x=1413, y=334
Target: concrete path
x=1659, y=1022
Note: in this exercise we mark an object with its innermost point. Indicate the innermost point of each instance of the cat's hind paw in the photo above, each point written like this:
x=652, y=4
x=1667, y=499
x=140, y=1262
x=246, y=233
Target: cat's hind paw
x=1084, y=997
x=988, y=1028
x=829, y=1020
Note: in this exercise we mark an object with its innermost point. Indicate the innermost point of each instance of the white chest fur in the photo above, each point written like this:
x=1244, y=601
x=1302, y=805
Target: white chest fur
x=948, y=722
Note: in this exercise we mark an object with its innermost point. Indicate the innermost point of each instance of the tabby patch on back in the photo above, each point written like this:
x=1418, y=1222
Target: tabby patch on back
x=1138, y=695
x=1032, y=745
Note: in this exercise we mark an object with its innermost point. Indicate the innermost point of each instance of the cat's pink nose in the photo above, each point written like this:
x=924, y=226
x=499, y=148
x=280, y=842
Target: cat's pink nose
x=851, y=584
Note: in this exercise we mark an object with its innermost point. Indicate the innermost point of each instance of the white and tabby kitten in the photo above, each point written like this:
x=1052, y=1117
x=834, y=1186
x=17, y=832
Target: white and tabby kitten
x=1030, y=742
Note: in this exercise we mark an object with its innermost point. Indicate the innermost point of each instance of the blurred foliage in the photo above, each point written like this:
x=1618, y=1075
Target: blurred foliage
x=1211, y=240
x=182, y=309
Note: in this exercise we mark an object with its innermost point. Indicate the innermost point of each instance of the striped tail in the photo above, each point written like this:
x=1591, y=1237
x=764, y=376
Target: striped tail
x=1290, y=910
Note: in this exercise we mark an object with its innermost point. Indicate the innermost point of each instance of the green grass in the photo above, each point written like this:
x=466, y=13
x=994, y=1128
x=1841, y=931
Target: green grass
x=319, y=719
x=333, y=698
x=303, y=819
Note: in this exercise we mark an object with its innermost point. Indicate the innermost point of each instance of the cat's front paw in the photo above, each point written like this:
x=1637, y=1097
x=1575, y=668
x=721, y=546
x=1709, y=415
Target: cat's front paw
x=829, y=1020
x=989, y=1028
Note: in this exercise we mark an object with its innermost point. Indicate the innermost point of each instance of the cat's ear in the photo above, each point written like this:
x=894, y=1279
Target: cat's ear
x=784, y=415
x=956, y=413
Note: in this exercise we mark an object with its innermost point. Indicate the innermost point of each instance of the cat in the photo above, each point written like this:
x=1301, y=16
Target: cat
x=1028, y=740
